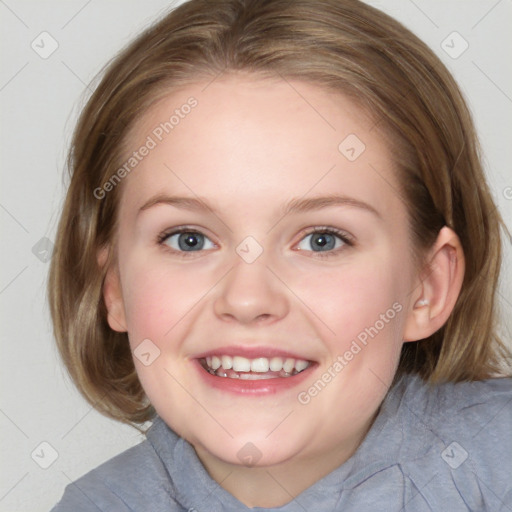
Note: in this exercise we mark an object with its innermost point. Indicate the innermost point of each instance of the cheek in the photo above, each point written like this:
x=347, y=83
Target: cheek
x=362, y=313
x=158, y=296
x=362, y=308
x=353, y=298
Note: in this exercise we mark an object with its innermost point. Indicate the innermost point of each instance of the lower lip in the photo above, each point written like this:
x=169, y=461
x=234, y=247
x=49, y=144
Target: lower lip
x=253, y=387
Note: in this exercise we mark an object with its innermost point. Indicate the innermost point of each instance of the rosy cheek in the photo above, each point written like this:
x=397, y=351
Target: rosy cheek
x=146, y=299
x=158, y=296
x=350, y=298
x=358, y=324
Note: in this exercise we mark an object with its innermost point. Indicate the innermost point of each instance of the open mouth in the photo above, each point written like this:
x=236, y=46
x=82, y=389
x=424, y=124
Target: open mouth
x=260, y=368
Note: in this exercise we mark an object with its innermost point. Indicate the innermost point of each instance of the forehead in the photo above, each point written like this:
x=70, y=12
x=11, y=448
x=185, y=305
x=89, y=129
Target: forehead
x=245, y=138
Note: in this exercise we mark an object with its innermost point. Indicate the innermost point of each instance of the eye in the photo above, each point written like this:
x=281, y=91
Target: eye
x=186, y=240
x=324, y=240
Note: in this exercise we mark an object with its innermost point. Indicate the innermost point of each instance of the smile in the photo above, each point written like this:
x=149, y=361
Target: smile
x=259, y=368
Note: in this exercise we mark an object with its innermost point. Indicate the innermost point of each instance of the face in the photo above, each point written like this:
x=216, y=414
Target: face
x=264, y=269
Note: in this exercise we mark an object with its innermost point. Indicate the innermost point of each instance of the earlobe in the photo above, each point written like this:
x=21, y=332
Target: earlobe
x=112, y=294
x=439, y=286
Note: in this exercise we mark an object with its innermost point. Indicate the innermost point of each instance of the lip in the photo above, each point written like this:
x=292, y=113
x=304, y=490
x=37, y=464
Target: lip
x=252, y=387
x=262, y=387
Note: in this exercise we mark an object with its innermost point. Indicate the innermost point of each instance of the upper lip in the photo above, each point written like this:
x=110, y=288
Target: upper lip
x=251, y=352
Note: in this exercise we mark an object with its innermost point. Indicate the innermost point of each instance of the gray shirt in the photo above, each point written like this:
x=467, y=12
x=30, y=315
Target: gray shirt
x=431, y=448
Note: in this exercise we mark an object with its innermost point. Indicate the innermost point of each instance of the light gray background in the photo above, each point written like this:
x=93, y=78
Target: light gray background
x=40, y=99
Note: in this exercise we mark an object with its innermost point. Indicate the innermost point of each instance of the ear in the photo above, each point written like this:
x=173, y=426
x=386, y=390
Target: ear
x=439, y=286
x=112, y=293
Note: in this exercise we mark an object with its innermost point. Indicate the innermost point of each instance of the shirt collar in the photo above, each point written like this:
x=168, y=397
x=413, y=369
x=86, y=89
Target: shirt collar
x=194, y=489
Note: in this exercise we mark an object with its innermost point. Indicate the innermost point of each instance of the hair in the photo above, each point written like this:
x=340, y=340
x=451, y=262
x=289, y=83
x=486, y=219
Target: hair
x=340, y=45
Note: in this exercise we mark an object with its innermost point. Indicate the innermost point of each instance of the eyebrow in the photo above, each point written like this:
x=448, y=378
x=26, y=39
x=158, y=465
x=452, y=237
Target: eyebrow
x=296, y=205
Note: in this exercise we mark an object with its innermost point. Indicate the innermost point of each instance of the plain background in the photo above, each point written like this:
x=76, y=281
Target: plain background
x=40, y=99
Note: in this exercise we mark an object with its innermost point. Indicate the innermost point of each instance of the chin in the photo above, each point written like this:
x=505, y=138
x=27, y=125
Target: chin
x=258, y=452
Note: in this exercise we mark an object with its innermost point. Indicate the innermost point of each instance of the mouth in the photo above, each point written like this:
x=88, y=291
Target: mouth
x=259, y=368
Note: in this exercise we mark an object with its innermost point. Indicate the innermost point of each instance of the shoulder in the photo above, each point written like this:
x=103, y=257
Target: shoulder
x=460, y=432
x=469, y=410
x=126, y=482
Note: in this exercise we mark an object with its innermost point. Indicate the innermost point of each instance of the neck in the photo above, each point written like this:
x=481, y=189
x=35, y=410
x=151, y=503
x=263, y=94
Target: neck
x=278, y=484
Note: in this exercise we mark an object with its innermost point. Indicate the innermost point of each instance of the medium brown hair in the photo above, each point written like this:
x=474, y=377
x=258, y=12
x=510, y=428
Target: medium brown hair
x=341, y=45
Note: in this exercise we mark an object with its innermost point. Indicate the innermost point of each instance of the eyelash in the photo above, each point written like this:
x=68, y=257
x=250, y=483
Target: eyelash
x=342, y=235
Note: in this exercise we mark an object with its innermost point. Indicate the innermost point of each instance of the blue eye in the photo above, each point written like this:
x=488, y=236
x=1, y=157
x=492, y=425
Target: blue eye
x=323, y=240
x=186, y=241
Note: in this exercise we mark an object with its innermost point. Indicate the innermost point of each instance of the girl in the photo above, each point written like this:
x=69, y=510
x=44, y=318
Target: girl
x=278, y=245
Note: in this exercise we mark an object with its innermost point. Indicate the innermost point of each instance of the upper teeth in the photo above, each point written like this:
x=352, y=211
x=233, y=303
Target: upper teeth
x=260, y=364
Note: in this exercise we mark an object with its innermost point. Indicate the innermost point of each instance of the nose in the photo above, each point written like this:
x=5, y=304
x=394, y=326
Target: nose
x=251, y=294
